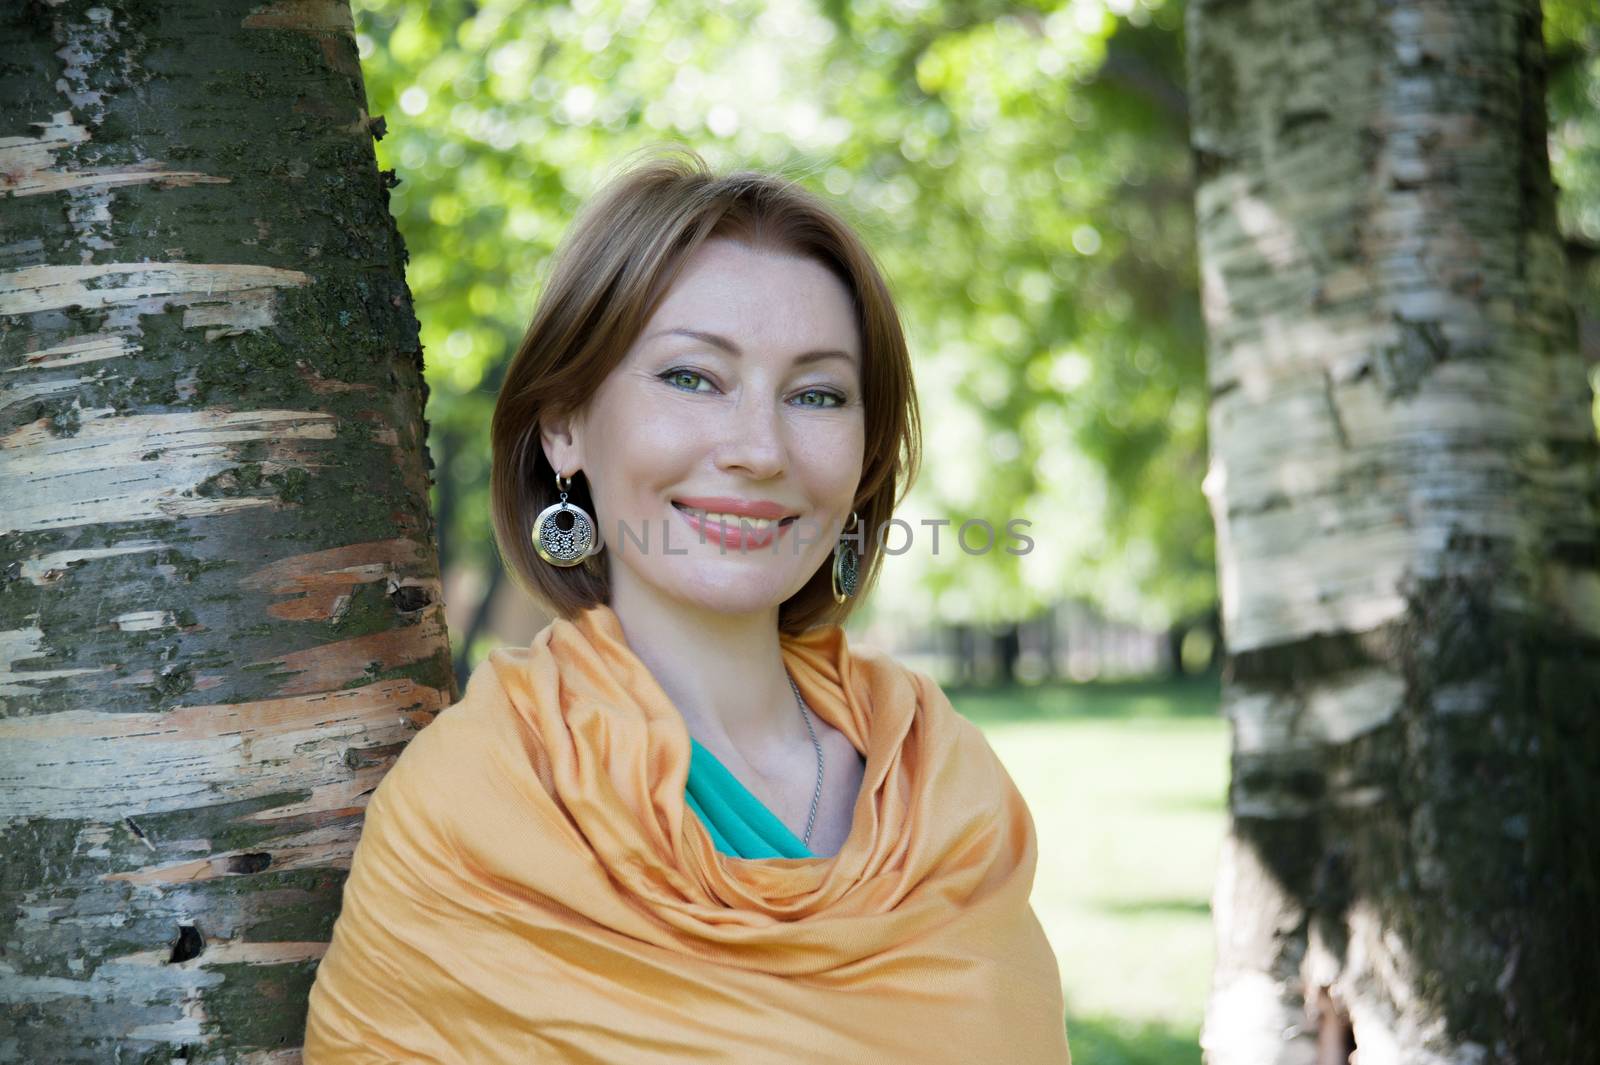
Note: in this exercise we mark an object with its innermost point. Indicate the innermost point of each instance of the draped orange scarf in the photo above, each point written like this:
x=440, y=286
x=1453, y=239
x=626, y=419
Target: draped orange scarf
x=530, y=885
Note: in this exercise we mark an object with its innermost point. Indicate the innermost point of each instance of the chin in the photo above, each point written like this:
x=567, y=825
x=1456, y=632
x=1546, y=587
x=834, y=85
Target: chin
x=731, y=593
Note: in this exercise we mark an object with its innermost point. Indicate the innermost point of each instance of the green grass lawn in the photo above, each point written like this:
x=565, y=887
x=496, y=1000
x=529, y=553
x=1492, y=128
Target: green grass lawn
x=1127, y=784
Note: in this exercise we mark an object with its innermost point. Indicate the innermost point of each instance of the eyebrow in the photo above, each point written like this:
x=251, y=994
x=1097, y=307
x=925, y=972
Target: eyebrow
x=733, y=349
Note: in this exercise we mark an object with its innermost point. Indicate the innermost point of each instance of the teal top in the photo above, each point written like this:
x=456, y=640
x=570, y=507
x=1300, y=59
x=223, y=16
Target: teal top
x=739, y=823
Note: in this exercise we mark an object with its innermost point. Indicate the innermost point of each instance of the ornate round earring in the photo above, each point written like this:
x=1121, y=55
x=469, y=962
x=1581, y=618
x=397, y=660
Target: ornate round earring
x=845, y=564
x=563, y=546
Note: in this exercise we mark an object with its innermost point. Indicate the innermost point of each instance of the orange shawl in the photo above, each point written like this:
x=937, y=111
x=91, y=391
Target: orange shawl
x=530, y=885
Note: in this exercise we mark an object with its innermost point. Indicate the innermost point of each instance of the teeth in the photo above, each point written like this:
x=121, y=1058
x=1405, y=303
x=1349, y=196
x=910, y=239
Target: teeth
x=732, y=521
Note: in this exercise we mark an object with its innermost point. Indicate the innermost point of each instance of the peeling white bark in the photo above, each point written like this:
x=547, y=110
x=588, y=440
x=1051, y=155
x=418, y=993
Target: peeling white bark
x=101, y=475
x=1403, y=479
x=1337, y=710
x=83, y=764
x=1312, y=441
x=27, y=164
x=1251, y=1012
x=44, y=288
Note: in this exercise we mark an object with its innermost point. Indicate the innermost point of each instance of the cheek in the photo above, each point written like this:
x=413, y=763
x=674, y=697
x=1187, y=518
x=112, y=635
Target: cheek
x=651, y=430
x=640, y=445
x=664, y=450
x=832, y=458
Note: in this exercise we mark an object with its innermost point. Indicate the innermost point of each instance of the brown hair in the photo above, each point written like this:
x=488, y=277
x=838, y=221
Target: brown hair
x=612, y=269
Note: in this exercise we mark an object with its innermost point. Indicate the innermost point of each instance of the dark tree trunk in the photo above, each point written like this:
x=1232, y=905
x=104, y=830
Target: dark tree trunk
x=1175, y=636
x=220, y=612
x=480, y=618
x=1008, y=648
x=962, y=653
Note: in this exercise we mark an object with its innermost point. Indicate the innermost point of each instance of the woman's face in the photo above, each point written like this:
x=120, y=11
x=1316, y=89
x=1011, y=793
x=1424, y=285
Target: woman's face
x=683, y=424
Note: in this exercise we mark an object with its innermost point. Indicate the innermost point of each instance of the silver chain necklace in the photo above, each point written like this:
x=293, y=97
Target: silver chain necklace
x=804, y=713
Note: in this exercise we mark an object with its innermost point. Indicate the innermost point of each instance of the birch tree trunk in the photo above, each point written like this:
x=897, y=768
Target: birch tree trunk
x=1403, y=480
x=220, y=611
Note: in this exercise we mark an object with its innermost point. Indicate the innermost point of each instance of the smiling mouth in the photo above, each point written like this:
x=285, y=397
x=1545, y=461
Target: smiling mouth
x=733, y=520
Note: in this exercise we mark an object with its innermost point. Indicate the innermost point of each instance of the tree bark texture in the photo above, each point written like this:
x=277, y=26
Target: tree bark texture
x=1404, y=484
x=220, y=611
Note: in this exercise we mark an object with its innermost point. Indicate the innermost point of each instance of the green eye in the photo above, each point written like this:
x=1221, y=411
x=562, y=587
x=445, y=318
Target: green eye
x=838, y=400
x=811, y=397
x=673, y=375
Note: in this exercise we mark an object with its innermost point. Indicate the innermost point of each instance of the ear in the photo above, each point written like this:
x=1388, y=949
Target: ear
x=559, y=435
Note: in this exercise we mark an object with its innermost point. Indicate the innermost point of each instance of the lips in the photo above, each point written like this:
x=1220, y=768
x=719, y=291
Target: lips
x=731, y=518
x=734, y=531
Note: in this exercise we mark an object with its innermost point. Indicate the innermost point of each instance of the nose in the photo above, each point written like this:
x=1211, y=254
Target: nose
x=753, y=439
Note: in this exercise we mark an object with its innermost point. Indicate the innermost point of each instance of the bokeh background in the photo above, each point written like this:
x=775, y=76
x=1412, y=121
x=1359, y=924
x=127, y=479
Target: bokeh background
x=1023, y=174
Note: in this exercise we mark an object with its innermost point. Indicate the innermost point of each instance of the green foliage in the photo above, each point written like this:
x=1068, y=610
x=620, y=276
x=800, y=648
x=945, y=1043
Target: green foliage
x=1572, y=44
x=1020, y=170
x=1048, y=278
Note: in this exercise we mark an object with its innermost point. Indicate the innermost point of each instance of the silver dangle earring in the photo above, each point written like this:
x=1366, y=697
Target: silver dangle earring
x=563, y=546
x=845, y=564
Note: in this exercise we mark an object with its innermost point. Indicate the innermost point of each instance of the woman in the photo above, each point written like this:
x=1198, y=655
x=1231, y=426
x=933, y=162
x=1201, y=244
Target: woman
x=689, y=822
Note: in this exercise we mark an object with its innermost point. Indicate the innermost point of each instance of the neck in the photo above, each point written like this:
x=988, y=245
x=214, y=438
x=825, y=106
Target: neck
x=723, y=671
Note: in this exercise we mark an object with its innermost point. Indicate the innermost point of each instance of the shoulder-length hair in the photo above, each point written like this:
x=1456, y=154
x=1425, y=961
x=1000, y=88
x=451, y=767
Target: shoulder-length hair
x=612, y=269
